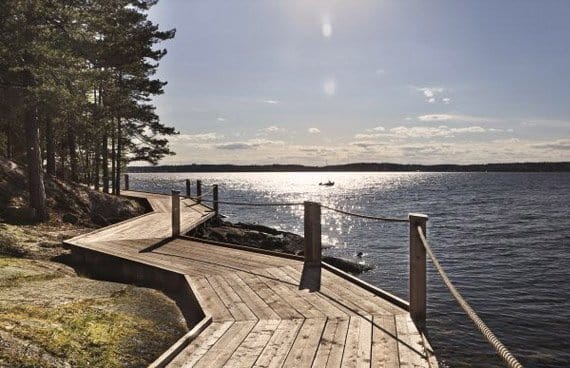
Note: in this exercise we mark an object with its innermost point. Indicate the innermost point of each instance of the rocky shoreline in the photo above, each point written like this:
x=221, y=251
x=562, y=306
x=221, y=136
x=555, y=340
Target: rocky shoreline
x=264, y=237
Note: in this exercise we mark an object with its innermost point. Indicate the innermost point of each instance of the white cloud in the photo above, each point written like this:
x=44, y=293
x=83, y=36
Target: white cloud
x=271, y=129
x=436, y=117
x=420, y=132
x=271, y=102
x=557, y=145
x=402, y=132
x=314, y=130
x=455, y=118
x=380, y=72
x=196, y=138
x=221, y=119
x=433, y=94
x=471, y=129
x=248, y=145
x=425, y=151
x=378, y=129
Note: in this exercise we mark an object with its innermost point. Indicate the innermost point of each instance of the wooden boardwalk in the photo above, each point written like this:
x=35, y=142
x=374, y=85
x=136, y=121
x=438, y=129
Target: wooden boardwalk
x=259, y=317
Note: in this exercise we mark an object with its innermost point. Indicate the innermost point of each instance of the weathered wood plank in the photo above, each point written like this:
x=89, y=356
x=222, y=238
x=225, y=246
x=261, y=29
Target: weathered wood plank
x=210, y=301
x=410, y=346
x=220, y=352
x=231, y=299
x=384, y=343
x=293, y=296
x=331, y=346
x=305, y=346
x=248, y=352
x=330, y=307
x=272, y=299
x=201, y=345
x=358, y=343
x=261, y=309
x=278, y=347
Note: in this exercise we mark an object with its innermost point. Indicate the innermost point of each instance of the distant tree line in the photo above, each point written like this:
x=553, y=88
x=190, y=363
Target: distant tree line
x=76, y=82
x=363, y=166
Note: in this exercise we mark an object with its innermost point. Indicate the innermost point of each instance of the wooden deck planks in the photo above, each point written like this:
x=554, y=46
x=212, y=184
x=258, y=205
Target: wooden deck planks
x=260, y=317
x=278, y=347
x=410, y=347
x=358, y=343
x=252, y=346
x=270, y=297
x=233, y=302
x=201, y=345
x=384, y=342
x=331, y=346
x=305, y=346
x=223, y=349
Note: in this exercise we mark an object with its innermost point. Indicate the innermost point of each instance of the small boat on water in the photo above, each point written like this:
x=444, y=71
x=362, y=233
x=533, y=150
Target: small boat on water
x=327, y=184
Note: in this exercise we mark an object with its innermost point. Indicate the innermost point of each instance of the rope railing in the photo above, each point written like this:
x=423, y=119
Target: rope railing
x=367, y=217
x=503, y=352
x=254, y=204
x=201, y=196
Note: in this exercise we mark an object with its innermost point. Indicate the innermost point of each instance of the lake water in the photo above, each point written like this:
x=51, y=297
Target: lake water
x=504, y=239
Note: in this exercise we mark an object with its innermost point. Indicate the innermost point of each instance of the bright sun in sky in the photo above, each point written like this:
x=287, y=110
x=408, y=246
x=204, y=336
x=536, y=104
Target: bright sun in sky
x=376, y=81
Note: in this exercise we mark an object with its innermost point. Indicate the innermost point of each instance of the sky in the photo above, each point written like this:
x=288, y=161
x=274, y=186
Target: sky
x=329, y=82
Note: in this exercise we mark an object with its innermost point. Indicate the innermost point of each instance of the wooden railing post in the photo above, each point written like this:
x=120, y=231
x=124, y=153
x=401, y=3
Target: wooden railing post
x=312, y=233
x=418, y=284
x=198, y=190
x=215, y=199
x=126, y=181
x=188, y=188
x=311, y=277
x=175, y=213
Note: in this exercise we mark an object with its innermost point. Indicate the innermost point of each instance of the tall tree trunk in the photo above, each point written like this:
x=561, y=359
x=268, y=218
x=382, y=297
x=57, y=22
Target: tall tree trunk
x=50, y=147
x=96, y=163
x=72, y=147
x=62, y=160
x=35, y=172
x=119, y=154
x=85, y=167
x=113, y=158
x=9, y=141
x=105, y=160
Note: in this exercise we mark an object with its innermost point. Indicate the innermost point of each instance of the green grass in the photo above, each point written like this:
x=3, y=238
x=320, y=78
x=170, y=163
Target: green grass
x=84, y=333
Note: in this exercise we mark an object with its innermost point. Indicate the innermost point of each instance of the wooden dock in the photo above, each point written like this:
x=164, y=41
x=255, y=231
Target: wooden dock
x=253, y=313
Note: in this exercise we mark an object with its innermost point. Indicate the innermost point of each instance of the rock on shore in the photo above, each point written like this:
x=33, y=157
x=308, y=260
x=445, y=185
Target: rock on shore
x=264, y=237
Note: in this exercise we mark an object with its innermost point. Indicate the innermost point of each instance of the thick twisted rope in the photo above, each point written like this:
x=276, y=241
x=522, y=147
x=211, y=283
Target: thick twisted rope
x=509, y=359
x=253, y=204
x=208, y=193
x=377, y=218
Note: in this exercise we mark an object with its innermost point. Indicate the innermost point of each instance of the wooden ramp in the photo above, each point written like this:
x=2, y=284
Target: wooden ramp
x=259, y=317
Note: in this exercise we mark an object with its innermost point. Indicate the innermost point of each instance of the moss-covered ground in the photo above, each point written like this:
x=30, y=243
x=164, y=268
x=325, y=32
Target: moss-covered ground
x=52, y=317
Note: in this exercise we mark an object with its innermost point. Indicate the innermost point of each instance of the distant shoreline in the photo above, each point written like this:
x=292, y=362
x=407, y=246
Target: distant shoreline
x=367, y=167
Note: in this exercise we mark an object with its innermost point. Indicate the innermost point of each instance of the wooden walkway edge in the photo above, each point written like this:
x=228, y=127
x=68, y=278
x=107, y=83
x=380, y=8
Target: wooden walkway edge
x=246, y=307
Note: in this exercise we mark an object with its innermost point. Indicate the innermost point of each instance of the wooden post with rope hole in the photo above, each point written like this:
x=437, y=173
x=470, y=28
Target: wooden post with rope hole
x=215, y=199
x=188, y=193
x=198, y=190
x=418, y=282
x=311, y=277
x=175, y=213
